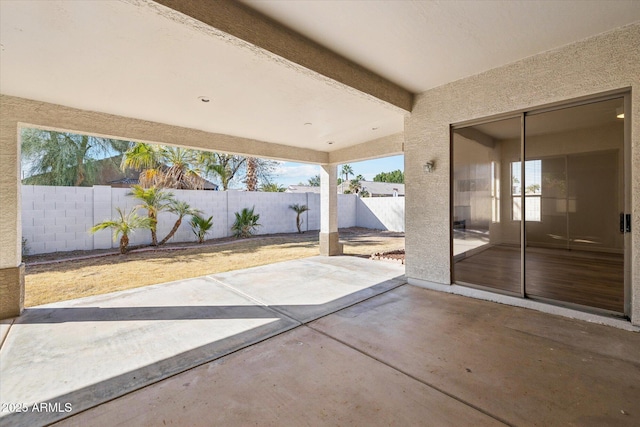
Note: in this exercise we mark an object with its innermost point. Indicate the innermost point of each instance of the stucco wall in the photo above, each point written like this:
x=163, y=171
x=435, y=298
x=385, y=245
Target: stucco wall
x=58, y=218
x=608, y=62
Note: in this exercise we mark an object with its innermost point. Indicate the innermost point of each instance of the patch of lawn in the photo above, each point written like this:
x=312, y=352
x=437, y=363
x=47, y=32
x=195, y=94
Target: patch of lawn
x=73, y=279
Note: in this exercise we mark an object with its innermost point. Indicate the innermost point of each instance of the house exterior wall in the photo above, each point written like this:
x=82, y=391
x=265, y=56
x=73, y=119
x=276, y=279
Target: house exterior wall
x=604, y=63
x=11, y=267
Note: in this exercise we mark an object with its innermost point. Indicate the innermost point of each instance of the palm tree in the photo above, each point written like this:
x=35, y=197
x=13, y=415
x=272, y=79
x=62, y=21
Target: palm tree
x=201, y=226
x=181, y=209
x=314, y=181
x=141, y=156
x=299, y=209
x=180, y=174
x=124, y=226
x=355, y=186
x=63, y=158
x=154, y=200
x=346, y=171
x=272, y=187
x=224, y=166
x=246, y=222
x=163, y=166
x=252, y=174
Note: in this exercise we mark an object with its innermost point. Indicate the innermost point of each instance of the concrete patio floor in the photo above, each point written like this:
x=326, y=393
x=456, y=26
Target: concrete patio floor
x=317, y=341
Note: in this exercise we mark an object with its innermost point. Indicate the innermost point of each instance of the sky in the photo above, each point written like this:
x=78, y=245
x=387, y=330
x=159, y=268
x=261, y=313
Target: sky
x=289, y=173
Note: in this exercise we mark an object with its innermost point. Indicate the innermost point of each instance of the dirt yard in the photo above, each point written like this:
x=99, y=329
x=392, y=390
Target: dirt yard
x=69, y=275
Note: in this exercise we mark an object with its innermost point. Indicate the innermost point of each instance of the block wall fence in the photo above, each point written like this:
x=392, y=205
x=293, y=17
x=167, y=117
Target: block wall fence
x=58, y=218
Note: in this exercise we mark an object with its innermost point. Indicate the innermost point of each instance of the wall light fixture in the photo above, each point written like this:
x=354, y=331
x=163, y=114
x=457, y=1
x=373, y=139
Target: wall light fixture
x=429, y=166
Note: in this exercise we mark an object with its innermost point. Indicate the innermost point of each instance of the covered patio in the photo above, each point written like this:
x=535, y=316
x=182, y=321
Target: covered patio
x=327, y=340
x=317, y=341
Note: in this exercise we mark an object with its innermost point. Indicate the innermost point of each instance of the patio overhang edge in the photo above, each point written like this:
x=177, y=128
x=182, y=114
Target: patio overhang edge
x=385, y=146
x=60, y=117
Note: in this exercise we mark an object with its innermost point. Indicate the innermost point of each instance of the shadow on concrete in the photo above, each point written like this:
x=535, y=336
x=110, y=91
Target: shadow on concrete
x=84, y=354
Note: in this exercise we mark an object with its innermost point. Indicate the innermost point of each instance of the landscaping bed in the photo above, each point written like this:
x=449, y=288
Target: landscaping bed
x=391, y=256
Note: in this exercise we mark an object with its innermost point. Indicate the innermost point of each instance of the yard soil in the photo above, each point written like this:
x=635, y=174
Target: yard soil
x=69, y=275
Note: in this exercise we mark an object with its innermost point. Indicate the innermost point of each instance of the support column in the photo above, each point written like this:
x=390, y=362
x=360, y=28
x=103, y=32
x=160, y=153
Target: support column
x=11, y=267
x=329, y=239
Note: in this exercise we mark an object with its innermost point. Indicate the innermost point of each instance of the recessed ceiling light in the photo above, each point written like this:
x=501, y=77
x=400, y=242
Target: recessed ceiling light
x=329, y=142
x=376, y=128
x=308, y=124
x=204, y=98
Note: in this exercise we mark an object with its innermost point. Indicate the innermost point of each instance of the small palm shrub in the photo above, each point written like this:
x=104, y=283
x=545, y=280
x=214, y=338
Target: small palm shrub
x=299, y=210
x=201, y=226
x=125, y=225
x=154, y=200
x=181, y=209
x=246, y=223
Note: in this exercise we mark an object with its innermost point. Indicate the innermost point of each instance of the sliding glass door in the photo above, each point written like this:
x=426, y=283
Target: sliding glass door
x=569, y=191
x=486, y=240
x=575, y=250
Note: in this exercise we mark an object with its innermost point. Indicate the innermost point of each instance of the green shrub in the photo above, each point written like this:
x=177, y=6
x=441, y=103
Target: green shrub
x=246, y=223
x=201, y=226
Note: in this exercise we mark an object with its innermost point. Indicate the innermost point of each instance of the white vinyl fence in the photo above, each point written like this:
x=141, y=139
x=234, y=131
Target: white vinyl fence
x=58, y=218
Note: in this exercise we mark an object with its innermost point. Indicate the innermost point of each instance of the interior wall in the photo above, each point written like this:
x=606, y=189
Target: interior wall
x=568, y=146
x=472, y=182
x=602, y=64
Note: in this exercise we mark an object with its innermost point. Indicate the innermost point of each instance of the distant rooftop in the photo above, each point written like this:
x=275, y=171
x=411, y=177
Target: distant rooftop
x=375, y=189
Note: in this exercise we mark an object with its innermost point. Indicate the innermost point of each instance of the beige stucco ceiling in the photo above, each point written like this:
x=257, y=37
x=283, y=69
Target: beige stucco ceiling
x=132, y=59
x=424, y=44
x=139, y=59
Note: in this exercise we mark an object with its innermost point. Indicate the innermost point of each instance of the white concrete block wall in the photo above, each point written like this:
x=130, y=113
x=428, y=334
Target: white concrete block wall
x=312, y=217
x=101, y=210
x=273, y=208
x=58, y=218
x=210, y=203
x=381, y=213
x=347, y=210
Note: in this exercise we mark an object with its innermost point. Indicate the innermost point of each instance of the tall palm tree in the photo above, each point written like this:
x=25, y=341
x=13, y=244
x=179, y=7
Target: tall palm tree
x=224, y=166
x=154, y=200
x=124, y=226
x=180, y=174
x=299, y=210
x=252, y=174
x=346, y=171
x=141, y=156
x=163, y=166
x=181, y=209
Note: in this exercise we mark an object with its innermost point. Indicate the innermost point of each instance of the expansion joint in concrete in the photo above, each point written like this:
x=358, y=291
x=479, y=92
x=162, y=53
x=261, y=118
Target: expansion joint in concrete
x=413, y=377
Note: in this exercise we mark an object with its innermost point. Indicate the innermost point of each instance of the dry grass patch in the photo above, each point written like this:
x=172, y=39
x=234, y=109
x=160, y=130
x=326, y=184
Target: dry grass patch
x=79, y=278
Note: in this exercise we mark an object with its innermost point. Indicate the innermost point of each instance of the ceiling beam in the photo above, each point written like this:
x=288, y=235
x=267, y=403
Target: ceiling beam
x=386, y=146
x=247, y=24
